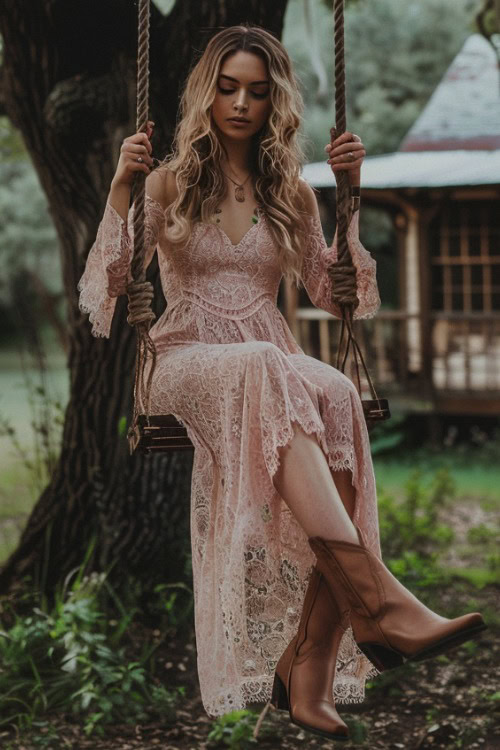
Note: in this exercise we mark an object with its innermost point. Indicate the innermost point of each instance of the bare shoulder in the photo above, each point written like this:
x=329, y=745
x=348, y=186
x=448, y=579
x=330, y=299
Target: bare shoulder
x=308, y=196
x=161, y=186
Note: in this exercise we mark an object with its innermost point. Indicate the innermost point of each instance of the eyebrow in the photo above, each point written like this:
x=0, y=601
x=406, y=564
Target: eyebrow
x=235, y=80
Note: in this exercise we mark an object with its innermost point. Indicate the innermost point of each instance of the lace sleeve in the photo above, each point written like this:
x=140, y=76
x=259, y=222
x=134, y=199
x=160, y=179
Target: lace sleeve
x=318, y=257
x=107, y=270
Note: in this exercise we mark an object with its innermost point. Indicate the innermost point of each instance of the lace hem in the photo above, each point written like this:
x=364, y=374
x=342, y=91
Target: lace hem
x=347, y=688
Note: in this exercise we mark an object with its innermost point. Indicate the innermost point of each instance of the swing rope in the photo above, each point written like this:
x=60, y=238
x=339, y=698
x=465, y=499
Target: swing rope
x=343, y=271
x=140, y=291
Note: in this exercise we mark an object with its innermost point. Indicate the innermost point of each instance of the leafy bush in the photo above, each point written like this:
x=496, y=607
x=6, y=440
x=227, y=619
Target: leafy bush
x=71, y=659
x=386, y=436
x=411, y=535
x=234, y=729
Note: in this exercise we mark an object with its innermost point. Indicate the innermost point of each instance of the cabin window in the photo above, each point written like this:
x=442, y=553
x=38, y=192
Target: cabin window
x=464, y=240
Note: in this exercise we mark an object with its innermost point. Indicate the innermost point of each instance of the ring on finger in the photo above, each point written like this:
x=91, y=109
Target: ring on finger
x=140, y=159
x=351, y=156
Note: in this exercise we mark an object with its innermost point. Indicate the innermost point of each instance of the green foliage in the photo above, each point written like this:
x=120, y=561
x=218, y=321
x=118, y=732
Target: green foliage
x=396, y=53
x=358, y=730
x=234, y=730
x=479, y=447
x=72, y=658
x=411, y=534
x=122, y=426
x=27, y=235
x=388, y=435
x=47, y=418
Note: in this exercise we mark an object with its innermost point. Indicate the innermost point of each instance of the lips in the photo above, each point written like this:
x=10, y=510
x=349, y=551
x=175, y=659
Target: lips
x=238, y=119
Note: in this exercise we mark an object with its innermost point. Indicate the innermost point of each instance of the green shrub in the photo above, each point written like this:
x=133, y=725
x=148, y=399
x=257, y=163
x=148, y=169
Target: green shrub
x=71, y=659
x=386, y=436
x=234, y=730
x=411, y=534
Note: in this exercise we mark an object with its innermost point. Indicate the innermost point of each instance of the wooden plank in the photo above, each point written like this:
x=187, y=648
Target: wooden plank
x=464, y=403
x=467, y=354
x=426, y=361
x=324, y=341
x=291, y=294
x=380, y=353
x=304, y=338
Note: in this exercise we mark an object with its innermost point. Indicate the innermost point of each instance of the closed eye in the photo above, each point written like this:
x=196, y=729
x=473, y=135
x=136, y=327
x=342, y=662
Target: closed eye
x=252, y=93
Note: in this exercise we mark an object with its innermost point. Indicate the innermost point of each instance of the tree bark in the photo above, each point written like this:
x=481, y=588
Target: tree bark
x=68, y=84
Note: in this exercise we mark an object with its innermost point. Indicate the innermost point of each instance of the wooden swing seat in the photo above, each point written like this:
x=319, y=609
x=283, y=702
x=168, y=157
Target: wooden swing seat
x=160, y=432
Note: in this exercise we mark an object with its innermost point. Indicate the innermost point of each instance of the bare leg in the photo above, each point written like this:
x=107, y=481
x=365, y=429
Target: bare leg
x=346, y=490
x=304, y=481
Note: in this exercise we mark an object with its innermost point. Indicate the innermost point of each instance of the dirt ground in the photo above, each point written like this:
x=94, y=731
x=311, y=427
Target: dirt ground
x=448, y=702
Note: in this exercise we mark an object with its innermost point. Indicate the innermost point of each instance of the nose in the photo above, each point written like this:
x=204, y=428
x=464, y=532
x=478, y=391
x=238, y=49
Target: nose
x=240, y=103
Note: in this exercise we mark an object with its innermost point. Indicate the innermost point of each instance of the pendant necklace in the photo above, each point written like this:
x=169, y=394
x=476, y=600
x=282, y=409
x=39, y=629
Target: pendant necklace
x=239, y=193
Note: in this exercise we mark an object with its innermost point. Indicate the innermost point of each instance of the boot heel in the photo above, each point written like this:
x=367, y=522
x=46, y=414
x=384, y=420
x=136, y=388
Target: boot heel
x=383, y=658
x=279, y=698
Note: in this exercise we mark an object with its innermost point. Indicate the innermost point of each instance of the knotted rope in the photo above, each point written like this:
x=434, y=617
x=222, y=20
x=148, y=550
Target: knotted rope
x=141, y=292
x=343, y=272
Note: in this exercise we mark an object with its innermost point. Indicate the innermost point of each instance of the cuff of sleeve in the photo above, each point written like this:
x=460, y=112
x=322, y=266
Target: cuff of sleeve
x=114, y=213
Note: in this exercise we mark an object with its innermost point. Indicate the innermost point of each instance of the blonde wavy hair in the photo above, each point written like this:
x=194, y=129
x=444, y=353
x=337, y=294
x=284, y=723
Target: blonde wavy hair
x=276, y=156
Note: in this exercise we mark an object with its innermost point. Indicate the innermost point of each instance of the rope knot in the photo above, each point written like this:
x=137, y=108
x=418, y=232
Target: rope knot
x=140, y=294
x=344, y=289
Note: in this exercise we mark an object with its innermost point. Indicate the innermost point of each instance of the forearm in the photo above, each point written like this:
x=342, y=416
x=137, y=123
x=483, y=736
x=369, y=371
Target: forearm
x=119, y=198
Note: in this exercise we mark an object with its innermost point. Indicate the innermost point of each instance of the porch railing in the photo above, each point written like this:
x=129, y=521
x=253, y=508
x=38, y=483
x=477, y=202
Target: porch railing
x=465, y=349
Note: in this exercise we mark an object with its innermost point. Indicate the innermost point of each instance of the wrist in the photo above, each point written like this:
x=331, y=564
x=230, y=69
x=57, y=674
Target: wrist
x=121, y=185
x=355, y=192
x=355, y=178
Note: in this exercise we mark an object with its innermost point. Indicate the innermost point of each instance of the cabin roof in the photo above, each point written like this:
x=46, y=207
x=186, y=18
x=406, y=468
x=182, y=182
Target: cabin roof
x=456, y=139
x=464, y=110
x=421, y=169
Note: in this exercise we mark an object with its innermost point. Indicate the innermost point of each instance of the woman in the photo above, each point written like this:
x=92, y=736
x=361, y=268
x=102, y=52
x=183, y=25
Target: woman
x=290, y=593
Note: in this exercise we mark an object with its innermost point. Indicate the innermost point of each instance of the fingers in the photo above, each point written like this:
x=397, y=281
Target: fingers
x=346, y=152
x=348, y=166
x=345, y=138
x=136, y=155
x=139, y=138
x=132, y=151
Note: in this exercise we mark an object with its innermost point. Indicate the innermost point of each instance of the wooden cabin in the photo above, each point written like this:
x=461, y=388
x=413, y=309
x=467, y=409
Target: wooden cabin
x=438, y=348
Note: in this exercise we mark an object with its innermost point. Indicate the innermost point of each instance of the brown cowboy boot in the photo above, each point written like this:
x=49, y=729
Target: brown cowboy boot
x=389, y=623
x=303, y=681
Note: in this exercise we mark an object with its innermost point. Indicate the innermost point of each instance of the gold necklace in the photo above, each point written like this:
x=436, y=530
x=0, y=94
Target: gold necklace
x=239, y=193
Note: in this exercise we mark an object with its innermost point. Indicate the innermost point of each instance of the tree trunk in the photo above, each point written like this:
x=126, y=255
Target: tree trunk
x=68, y=83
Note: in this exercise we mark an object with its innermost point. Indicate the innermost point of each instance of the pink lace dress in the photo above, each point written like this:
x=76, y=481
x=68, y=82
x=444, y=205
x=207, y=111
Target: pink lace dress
x=229, y=368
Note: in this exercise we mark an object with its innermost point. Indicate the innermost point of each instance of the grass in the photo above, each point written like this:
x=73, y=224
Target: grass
x=479, y=577
x=17, y=498
x=476, y=481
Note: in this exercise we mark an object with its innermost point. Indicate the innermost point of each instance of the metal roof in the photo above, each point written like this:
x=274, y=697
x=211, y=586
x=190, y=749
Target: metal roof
x=464, y=110
x=421, y=169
